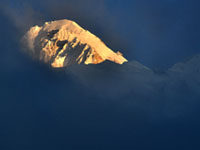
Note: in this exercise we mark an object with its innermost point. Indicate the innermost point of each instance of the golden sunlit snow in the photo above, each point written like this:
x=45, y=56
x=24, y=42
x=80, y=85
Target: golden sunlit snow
x=63, y=43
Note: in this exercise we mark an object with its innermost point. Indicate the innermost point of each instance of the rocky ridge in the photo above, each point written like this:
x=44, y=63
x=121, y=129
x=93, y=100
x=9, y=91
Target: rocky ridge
x=63, y=43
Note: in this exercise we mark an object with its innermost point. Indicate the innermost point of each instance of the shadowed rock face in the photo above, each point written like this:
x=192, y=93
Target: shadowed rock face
x=63, y=43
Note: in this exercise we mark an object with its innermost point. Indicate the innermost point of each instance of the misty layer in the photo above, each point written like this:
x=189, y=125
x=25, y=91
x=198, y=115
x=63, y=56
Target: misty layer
x=136, y=82
x=63, y=43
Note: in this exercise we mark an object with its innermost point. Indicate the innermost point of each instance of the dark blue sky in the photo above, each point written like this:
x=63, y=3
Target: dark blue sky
x=41, y=108
x=156, y=33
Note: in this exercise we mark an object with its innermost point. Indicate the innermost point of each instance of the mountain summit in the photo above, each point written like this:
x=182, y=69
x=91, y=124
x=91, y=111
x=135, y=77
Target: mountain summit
x=63, y=43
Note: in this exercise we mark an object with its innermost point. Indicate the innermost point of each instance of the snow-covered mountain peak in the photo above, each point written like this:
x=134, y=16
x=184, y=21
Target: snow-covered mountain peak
x=63, y=43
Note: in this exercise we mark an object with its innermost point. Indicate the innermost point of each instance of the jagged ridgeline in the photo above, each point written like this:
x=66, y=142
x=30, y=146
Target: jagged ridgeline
x=63, y=43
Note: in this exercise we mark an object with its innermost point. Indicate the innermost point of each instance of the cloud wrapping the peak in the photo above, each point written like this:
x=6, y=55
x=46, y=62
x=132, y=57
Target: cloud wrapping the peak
x=175, y=91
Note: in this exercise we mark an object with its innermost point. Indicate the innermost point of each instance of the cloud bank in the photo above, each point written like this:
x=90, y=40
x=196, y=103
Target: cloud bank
x=175, y=90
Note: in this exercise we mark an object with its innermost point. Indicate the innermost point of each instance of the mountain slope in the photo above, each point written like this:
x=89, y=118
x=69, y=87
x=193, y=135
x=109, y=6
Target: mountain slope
x=63, y=43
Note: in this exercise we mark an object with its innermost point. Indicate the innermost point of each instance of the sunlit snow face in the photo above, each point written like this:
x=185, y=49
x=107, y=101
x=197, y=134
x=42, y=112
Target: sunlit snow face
x=63, y=43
